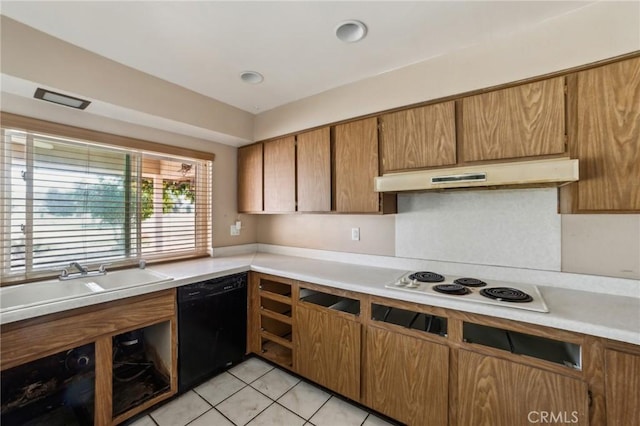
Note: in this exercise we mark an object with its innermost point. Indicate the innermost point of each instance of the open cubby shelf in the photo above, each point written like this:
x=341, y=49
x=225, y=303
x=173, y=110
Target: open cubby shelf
x=274, y=287
x=277, y=353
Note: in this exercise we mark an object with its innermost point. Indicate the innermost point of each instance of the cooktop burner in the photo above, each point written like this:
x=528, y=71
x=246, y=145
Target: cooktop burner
x=470, y=282
x=456, y=289
x=506, y=294
x=472, y=290
x=426, y=277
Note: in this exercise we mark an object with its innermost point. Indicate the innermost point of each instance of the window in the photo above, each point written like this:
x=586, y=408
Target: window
x=66, y=200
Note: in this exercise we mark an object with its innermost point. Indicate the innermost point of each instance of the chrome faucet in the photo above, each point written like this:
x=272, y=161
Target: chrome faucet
x=83, y=269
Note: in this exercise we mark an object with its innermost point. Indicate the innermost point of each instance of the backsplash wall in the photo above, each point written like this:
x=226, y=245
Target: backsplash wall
x=516, y=228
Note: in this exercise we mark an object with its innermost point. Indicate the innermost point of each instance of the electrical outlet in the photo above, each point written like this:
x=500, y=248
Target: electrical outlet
x=355, y=234
x=234, y=230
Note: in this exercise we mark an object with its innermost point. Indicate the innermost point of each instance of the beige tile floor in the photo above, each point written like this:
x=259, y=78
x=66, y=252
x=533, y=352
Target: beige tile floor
x=254, y=393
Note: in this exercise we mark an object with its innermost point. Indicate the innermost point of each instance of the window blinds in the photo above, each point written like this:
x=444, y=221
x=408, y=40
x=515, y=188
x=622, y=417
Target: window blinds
x=68, y=200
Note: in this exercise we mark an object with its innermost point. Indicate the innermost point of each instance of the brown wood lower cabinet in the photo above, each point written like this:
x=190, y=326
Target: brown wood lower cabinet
x=270, y=318
x=622, y=378
x=129, y=348
x=406, y=378
x=423, y=365
x=496, y=392
x=327, y=349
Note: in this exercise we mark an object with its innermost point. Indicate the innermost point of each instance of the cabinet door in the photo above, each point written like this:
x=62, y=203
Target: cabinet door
x=521, y=121
x=607, y=137
x=356, y=163
x=327, y=350
x=314, y=171
x=496, y=392
x=406, y=378
x=280, y=175
x=250, y=178
x=622, y=377
x=418, y=137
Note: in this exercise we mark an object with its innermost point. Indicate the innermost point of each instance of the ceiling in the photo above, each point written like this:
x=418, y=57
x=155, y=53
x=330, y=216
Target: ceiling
x=204, y=45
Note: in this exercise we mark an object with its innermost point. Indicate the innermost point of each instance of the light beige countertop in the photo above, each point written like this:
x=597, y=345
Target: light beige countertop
x=611, y=316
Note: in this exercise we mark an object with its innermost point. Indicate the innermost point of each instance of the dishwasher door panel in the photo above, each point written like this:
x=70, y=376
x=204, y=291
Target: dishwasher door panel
x=211, y=335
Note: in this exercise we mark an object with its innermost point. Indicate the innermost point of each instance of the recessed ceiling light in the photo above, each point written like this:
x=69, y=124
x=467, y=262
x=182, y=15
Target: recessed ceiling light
x=351, y=31
x=60, y=99
x=251, y=77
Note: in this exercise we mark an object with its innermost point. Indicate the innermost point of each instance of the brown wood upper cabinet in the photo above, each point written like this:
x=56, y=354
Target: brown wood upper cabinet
x=604, y=134
x=280, y=175
x=250, y=178
x=314, y=170
x=418, y=137
x=520, y=121
x=356, y=164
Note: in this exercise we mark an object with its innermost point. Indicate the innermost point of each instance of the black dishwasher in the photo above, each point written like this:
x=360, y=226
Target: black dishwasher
x=212, y=327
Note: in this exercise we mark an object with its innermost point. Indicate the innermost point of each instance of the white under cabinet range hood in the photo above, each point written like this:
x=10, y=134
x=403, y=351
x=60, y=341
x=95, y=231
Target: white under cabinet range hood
x=556, y=172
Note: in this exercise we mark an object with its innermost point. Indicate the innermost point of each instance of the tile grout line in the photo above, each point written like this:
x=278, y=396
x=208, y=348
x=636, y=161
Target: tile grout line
x=254, y=417
x=202, y=398
x=222, y=414
x=276, y=399
x=320, y=408
x=291, y=411
x=259, y=377
x=310, y=384
x=365, y=419
x=214, y=406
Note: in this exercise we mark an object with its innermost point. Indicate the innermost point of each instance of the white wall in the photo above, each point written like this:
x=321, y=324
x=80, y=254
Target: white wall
x=601, y=244
x=31, y=56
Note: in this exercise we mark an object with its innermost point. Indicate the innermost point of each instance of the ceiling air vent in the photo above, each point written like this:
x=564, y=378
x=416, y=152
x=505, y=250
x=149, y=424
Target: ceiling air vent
x=60, y=99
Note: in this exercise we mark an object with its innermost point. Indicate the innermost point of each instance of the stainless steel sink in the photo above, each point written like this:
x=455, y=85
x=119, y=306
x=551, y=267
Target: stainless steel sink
x=40, y=293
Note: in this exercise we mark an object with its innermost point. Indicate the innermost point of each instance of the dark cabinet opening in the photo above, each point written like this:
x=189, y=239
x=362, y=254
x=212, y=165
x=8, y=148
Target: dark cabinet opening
x=57, y=390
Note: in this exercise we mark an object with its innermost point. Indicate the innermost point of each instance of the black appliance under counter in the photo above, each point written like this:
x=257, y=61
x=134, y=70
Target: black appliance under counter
x=212, y=328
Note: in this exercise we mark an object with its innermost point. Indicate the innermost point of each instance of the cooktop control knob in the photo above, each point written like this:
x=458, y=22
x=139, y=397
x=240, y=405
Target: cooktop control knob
x=402, y=282
x=413, y=284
